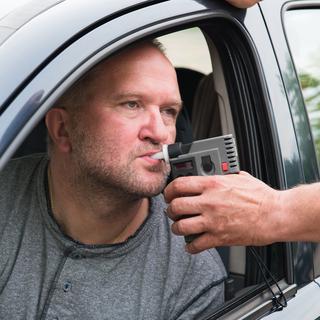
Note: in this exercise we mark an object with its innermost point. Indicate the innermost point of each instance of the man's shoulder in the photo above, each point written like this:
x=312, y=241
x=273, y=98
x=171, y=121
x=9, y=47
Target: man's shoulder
x=18, y=187
x=17, y=176
x=208, y=265
x=22, y=166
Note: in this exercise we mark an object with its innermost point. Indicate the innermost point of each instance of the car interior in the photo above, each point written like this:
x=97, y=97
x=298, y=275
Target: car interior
x=205, y=99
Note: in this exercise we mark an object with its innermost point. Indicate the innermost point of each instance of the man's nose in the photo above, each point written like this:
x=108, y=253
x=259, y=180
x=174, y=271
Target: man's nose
x=154, y=127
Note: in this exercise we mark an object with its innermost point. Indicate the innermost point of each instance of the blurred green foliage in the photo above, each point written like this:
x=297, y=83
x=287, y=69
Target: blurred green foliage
x=310, y=85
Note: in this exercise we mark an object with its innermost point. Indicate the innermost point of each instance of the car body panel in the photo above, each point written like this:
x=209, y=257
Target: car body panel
x=304, y=306
x=51, y=24
x=303, y=252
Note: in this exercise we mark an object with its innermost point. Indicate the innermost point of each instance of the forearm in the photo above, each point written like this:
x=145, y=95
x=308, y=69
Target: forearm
x=299, y=214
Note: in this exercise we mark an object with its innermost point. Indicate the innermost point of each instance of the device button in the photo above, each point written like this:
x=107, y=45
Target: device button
x=207, y=164
x=224, y=166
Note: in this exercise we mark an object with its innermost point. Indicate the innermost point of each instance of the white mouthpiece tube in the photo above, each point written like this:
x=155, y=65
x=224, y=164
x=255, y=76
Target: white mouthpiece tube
x=162, y=154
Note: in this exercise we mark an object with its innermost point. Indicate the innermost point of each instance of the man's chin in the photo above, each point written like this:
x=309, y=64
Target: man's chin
x=159, y=168
x=152, y=187
x=147, y=181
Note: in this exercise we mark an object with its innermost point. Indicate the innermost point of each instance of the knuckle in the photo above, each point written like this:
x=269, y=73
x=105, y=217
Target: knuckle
x=165, y=194
x=177, y=184
x=174, y=206
x=178, y=227
x=168, y=212
x=213, y=182
x=202, y=225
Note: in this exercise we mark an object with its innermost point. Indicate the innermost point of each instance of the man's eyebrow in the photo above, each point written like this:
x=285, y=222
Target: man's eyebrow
x=125, y=95
x=177, y=104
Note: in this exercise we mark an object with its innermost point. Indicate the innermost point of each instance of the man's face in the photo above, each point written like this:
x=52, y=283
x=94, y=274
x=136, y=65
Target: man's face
x=130, y=114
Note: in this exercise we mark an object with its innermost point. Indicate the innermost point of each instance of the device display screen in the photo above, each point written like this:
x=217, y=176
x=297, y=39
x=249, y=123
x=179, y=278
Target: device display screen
x=183, y=165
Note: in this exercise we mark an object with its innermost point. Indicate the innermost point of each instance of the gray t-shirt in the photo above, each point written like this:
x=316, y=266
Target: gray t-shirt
x=46, y=275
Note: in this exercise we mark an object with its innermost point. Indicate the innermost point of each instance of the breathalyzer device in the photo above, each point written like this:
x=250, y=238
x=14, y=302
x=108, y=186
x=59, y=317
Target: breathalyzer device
x=206, y=157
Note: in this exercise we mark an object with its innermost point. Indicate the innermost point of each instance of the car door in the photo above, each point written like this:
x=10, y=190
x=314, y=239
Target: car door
x=296, y=44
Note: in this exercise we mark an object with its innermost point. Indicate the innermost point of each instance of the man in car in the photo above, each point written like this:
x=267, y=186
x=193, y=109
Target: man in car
x=83, y=231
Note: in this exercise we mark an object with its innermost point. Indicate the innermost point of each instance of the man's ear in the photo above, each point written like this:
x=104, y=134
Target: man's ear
x=57, y=122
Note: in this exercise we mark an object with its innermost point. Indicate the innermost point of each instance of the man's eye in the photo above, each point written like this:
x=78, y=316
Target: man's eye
x=132, y=104
x=171, y=112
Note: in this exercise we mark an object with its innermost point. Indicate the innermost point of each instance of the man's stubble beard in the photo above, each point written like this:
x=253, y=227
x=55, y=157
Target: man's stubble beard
x=108, y=177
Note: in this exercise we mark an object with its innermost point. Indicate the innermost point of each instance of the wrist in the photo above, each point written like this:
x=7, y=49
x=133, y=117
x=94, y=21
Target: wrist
x=294, y=208
x=272, y=217
x=278, y=220
x=283, y=212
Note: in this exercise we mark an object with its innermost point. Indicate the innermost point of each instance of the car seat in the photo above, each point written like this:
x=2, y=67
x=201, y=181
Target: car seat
x=206, y=121
x=188, y=81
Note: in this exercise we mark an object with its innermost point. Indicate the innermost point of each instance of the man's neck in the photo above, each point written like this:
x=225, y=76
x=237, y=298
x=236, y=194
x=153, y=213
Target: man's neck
x=89, y=218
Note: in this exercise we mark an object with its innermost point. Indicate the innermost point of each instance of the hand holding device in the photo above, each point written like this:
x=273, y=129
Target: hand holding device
x=213, y=156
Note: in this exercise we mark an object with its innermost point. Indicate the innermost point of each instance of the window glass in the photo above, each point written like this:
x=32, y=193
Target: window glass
x=302, y=27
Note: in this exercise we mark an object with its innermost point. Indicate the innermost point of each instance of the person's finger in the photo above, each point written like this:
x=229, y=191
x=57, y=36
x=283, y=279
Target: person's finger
x=189, y=226
x=182, y=186
x=184, y=206
x=202, y=242
x=186, y=186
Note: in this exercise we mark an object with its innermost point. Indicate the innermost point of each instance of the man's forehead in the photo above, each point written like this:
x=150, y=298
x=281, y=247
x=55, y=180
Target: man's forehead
x=144, y=54
x=127, y=75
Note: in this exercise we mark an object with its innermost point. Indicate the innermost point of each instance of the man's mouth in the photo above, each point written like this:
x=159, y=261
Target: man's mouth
x=148, y=157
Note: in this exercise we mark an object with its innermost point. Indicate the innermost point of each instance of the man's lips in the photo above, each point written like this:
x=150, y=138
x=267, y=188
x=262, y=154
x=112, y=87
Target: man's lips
x=147, y=157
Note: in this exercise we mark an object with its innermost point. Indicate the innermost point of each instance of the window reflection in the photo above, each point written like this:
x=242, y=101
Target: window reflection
x=302, y=27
